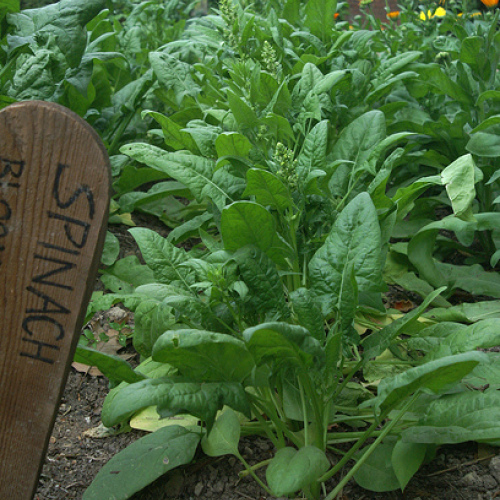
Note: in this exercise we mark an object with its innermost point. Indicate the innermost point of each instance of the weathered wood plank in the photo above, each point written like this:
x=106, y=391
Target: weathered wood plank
x=54, y=195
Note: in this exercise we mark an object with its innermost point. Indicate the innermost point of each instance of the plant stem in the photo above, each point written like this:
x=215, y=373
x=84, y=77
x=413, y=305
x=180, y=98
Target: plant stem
x=371, y=448
x=252, y=473
x=246, y=472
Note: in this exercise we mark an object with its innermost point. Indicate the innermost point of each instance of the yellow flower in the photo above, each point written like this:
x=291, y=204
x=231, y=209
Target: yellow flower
x=490, y=3
x=440, y=12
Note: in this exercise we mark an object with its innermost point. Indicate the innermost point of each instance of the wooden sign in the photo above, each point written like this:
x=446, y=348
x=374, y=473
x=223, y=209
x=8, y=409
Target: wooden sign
x=54, y=195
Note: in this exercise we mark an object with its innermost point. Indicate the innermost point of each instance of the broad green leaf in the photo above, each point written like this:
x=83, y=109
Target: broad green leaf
x=313, y=154
x=243, y=114
x=204, y=356
x=224, y=436
x=377, y=473
x=291, y=470
x=195, y=172
x=142, y=462
x=151, y=319
x=472, y=49
x=162, y=257
x=458, y=179
x=481, y=335
x=484, y=144
x=466, y=313
x=174, y=75
x=457, y=418
x=247, y=223
x=268, y=189
x=354, y=240
x=320, y=18
x=282, y=344
x=112, y=367
x=360, y=137
x=263, y=281
x=200, y=399
x=126, y=274
x=232, y=144
x=65, y=21
x=406, y=459
x=435, y=376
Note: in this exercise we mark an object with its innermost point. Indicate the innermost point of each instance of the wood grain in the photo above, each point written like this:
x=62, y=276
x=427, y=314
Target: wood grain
x=54, y=196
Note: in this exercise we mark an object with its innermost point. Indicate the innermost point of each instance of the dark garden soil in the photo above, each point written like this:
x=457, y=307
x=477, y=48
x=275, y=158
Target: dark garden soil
x=76, y=454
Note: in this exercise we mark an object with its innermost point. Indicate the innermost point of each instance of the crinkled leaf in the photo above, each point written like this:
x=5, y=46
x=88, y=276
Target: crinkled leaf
x=200, y=399
x=162, y=257
x=313, y=154
x=457, y=418
x=202, y=355
x=308, y=312
x=263, y=281
x=195, y=172
x=282, y=344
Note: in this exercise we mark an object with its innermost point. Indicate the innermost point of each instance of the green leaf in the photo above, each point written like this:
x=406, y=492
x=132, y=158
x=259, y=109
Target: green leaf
x=313, y=154
x=320, y=18
x=291, y=470
x=247, y=223
x=126, y=274
x=204, y=356
x=142, y=462
x=406, y=459
x=308, y=312
x=151, y=319
x=481, y=335
x=484, y=144
x=458, y=178
x=112, y=367
x=268, y=189
x=224, y=436
x=195, y=172
x=282, y=344
x=111, y=249
x=263, y=281
x=457, y=418
x=232, y=144
x=466, y=313
x=435, y=376
x=174, y=134
x=377, y=473
x=354, y=240
x=359, y=138
x=243, y=114
x=163, y=257
x=174, y=75
x=200, y=399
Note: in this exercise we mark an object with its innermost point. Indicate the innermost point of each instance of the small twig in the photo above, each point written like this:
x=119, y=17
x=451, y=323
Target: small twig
x=455, y=467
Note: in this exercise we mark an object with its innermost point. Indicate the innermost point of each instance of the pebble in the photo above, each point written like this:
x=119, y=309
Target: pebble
x=495, y=467
x=198, y=489
x=475, y=481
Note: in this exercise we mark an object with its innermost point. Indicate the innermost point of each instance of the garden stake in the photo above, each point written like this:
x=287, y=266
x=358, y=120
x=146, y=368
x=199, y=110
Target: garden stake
x=54, y=197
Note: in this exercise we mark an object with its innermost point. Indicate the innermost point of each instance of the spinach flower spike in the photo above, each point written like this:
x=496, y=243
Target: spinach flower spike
x=287, y=166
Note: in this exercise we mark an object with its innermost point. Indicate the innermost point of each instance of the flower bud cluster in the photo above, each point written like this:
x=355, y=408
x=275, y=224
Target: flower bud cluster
x=229, y=14
x=270, y=60
x=287, y=166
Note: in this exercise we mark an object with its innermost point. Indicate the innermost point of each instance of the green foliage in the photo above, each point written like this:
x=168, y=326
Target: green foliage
x=303, y=165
